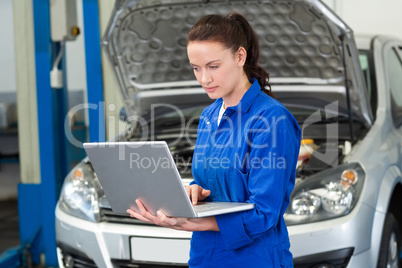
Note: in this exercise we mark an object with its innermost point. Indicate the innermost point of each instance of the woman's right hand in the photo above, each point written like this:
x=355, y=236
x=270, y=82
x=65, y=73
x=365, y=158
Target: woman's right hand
x=197, y=193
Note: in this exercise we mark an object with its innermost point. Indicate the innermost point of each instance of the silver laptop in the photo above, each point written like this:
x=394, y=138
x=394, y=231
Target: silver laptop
x=146, y=170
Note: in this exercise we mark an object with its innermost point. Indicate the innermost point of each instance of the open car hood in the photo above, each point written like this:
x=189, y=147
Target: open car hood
x=302, y=43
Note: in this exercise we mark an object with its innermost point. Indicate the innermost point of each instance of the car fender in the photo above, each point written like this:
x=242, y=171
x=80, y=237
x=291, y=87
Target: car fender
x=391, y=178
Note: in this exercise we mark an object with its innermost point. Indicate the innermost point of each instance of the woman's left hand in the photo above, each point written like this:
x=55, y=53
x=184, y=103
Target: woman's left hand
x=186, y=224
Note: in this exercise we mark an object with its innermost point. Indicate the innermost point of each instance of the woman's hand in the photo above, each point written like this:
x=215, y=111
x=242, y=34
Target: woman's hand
x=186, y=224
x=197, y=193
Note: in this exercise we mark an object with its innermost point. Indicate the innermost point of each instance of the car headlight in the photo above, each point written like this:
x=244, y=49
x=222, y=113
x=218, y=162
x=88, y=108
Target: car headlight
x=325, y=195
x=81, y=192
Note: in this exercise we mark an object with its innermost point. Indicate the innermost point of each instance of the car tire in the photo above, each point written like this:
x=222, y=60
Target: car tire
x=390, y=244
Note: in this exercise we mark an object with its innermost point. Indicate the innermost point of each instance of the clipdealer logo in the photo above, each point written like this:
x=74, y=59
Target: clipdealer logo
x=157, y=163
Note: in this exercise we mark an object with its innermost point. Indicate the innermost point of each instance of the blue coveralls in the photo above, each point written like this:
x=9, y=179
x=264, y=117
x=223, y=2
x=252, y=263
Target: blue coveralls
x=250, y=157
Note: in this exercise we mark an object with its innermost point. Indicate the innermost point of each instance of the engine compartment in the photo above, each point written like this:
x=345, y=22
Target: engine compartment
x=328, y=142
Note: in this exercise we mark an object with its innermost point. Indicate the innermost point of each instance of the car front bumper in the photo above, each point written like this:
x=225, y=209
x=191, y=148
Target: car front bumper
x=338, y=242
x=107, y=245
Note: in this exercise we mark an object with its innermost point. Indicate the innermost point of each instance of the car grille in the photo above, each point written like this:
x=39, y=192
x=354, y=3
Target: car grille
x=72, y=258
x=133, y=264
x=107, y=215
x=331, y=259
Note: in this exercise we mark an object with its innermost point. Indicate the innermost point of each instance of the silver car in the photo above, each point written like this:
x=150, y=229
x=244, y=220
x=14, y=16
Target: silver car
x=346, y=93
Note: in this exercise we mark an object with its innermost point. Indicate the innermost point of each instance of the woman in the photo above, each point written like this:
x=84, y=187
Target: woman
x=246, y=151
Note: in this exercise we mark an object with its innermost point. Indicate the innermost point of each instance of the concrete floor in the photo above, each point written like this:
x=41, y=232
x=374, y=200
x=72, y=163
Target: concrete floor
x=9, y=228
x=9, y=224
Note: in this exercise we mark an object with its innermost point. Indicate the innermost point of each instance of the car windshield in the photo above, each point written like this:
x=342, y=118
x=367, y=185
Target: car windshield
x=367, y=66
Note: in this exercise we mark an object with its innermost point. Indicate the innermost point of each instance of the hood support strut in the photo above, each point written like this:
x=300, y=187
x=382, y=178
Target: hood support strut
x=350, y=116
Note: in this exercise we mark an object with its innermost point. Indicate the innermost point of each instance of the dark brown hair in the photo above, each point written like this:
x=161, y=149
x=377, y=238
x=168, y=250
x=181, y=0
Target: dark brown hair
x=233, y=31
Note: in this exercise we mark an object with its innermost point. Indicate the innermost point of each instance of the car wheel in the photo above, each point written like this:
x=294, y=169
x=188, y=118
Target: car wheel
x=390, y=244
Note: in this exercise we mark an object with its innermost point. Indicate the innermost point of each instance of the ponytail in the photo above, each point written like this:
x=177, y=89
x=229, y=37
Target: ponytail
x=234, y=31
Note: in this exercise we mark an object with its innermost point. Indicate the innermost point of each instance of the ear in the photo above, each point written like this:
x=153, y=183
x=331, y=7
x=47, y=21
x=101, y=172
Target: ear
x=241, y=56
